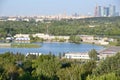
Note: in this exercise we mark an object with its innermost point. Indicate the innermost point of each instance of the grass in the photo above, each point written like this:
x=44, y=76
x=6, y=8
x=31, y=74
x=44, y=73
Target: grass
x=24, y=45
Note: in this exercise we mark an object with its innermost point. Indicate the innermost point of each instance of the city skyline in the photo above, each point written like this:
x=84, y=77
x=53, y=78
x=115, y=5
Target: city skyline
x=53, y=7
x=106, y=11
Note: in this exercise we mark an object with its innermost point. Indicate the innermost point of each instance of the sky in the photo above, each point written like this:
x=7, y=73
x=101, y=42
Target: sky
x=52, y=7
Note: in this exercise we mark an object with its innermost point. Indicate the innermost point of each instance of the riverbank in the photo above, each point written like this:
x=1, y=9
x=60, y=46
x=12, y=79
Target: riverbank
x=95, y=44
x=54, y=48
x=2, y=45
x=24, y=45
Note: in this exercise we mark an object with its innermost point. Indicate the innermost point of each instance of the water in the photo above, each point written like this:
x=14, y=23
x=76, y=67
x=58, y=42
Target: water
x=54, y=48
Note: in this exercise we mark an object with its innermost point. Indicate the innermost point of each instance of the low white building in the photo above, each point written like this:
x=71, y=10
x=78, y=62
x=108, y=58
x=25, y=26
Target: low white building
x=26, y=19
x=103, y=42
x=22, y=40
x=39, y=19
x=41, y=35
x=77, y=56
x=12, y=19
x=87, y=37
x=9, y=39
x=64, y=37
x=21, y=35
x=91, y=26
x=49, y=37
x=36, y=54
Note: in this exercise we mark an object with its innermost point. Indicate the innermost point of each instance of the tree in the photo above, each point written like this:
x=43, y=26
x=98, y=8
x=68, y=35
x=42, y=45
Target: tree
x=93, y=54
x=46, y=67
x=70, y=73
x=75, y=39
x=118, y=42
x=110, y=64
x=12, y=71
x=87, y=69
x=108, y=76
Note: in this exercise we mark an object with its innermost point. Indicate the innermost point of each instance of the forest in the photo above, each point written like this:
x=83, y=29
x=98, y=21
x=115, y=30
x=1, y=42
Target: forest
x=50, y=67
x=104, y=26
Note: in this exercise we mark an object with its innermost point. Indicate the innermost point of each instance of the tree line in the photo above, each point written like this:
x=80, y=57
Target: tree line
x=108, y=26
x=50, y=67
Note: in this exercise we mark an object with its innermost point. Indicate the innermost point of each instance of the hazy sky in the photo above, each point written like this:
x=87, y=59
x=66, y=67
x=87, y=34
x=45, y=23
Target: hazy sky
x=52, y=7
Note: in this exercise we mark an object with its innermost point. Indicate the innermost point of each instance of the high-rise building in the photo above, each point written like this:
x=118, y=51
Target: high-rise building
x=101, y=11
x=117, y=14
x=106, y=11
x=112, y=10
x=96, y=11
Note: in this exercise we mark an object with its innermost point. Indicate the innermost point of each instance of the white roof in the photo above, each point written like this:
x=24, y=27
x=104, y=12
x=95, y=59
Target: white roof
x=22, y=39
x=76, y=53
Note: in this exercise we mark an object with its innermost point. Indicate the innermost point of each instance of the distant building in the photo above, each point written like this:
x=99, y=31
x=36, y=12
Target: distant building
x=117, y=14
x=39, y=19
x=22, y=40
x=36, y=54
x=49, y=37
x=112, y=10
x=75, y=15
x=41, y=35
x=99, y=11
x=91, y=26
x=106, y=11
x=87, y=38
x=109, y=52
x=21, y=35
x=103, y=42
x=12, y=19
x=9, y=39
x=26, y=19
x=109, y=11
x=77, y=56
x=96, y=11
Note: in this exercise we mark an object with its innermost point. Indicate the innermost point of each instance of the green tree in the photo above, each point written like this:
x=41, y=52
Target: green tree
x=70, y=73
x=109, y=76
x=75, y=39
x=11, y=71
x=118, y=42
x=93, y=54
x=46, y=67
x=110, y=64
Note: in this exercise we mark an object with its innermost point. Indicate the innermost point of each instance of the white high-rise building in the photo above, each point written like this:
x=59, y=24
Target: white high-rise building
x=112, y=11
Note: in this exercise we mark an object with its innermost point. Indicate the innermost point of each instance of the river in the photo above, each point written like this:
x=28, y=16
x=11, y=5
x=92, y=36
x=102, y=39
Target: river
x=54, y=48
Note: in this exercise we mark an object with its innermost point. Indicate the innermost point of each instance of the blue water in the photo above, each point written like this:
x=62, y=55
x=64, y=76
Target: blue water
x=54, y=48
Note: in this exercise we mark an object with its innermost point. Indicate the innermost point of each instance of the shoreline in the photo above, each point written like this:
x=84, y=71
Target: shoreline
x=5, y=45
x=55, y=48
x=74, y=43
x=10, y=44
